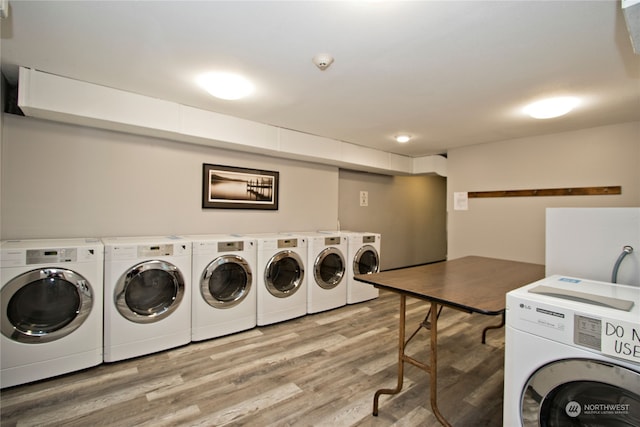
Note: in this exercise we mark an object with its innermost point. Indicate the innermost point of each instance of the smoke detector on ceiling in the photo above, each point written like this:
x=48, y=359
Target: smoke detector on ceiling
x=322, y=60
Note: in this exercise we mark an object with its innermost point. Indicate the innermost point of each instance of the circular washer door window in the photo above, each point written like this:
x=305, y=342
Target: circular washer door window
x=149, y=291
x=581, y=392
x=283, y=274
x=226, y=281
x=44, y=305
x=366, y=260
x=328, y=268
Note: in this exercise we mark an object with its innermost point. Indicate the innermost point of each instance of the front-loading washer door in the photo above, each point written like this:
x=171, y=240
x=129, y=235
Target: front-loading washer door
x=366, y=260
x=149, y=291
x=582, y=392
x=226, y=281
x=284, y=274
x=44, y=305
x=328, y=268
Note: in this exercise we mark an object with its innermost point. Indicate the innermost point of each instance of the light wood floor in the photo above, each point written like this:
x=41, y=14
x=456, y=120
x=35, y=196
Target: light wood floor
x=317, y=370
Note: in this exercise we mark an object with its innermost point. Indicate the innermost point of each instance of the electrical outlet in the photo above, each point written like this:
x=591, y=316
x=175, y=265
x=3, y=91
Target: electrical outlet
x=364, y=198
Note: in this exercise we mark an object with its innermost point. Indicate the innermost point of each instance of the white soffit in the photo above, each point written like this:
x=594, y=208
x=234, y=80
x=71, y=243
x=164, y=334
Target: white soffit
x=61, y=99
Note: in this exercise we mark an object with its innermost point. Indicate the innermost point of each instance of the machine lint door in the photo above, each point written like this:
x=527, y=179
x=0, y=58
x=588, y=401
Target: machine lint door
x=284, y=274
x=226, y=281
x=366, y=260
x=582, y=392
x=149, y=291
x=45, y=304
x=329, y=268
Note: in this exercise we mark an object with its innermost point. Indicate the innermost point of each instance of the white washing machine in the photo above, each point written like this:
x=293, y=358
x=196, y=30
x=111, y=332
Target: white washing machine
x=147, y=284
x=326, y=271
x=51, y=301
x=223, y=299
x=363, y=257
x=282, y=288
x=572, y=354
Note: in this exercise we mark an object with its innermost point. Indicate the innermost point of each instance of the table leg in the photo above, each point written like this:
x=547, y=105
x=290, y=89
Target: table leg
x=484, y=331
x=401, y=345
x=433, y=370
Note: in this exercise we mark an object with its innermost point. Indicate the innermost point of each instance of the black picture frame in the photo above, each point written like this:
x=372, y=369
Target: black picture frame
x=230, y=187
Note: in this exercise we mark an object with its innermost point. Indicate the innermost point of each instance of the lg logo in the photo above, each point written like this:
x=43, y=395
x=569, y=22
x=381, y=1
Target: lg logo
x=573, y=409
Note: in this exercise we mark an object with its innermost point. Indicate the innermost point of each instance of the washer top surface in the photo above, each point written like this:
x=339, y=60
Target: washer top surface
x=596, y=316
x=49, y=243
x=608, y=300
x=216, y=237
x=356, y=233
x=315, y=233
x=143, y=240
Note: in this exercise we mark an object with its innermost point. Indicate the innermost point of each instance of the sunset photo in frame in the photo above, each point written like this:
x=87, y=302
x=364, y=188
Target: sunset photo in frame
x=229, y=187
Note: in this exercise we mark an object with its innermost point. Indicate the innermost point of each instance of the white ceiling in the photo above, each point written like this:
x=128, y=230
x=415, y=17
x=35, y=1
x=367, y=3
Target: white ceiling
x=450, y=73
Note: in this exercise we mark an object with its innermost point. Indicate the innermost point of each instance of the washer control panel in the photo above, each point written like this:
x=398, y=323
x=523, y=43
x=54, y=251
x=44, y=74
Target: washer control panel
x=587, y=332
x=49, y=256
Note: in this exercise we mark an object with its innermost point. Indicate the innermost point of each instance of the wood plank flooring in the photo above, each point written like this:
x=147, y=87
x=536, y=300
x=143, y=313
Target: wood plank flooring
x=317, y=370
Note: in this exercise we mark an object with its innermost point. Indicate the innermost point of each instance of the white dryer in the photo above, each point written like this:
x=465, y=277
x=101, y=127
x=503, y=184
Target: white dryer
x=326, y=271
x=363, y=257
x=282, y=288
x=51, y=301
x=572, y=354
x=223, y=299
x=147, y=283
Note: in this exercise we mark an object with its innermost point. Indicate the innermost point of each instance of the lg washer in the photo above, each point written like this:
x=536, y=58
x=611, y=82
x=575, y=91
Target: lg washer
x=51, y=301
x=224, y=285
x=282, y=288
x=572, y=354
x=147, y=282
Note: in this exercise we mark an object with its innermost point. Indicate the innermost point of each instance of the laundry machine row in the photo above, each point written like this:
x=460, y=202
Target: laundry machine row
x=80, y=302
x=69, y=304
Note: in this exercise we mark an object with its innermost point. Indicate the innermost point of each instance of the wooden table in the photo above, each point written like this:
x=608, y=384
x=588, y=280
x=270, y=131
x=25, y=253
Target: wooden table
x=472, y=284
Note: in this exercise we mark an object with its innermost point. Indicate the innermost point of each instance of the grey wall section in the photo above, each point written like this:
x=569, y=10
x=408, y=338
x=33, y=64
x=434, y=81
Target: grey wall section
x=409, y=212
x=61, y=181
x=514, y=227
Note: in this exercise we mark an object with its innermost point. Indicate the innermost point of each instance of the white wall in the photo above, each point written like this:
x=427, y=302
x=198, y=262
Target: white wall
x=63, y=180
x=514, y=227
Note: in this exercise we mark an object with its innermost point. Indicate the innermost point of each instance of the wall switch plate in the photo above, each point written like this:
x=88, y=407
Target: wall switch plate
x=364, y=198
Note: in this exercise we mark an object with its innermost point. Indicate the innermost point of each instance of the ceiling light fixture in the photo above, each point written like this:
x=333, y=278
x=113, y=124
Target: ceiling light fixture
x=228, y=86
x=403, y=138
x=551, y=107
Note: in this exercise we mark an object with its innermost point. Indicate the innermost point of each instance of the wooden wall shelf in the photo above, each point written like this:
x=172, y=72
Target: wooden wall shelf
x=579, y=191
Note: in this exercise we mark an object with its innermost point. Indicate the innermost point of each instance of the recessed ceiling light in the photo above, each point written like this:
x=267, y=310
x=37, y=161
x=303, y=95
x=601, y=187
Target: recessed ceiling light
x=225, y=85
x=403, y=138
x=551, y=107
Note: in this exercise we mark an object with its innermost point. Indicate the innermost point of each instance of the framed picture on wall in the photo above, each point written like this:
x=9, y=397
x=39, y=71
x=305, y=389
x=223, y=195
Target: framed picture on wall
x=229, y=187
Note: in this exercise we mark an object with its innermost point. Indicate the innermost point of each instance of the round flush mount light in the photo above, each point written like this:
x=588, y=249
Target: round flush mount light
x=228, y=86
x=551, y=107
x=403, y=138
